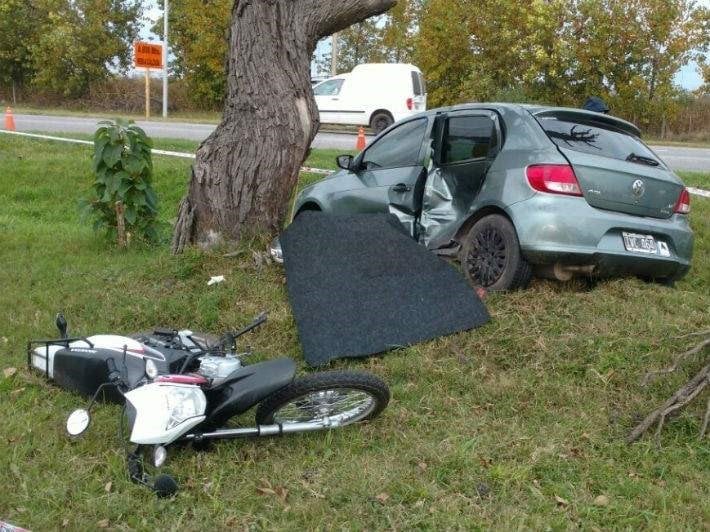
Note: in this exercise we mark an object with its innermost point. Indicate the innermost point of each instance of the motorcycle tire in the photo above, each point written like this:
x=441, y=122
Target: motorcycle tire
x=353, y=396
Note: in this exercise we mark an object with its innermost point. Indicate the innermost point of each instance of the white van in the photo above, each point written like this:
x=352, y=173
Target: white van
x=373, y=94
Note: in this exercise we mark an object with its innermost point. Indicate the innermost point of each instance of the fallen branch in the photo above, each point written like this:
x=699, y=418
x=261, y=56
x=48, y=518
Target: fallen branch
x=696, y=333
x=680, y=398
x=680, y=358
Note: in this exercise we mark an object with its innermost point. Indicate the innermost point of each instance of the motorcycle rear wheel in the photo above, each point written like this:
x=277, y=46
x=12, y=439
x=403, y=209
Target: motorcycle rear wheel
x=343, y=396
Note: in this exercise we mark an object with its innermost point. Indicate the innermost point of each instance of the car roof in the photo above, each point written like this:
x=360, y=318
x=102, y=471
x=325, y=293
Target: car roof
x=561, y=113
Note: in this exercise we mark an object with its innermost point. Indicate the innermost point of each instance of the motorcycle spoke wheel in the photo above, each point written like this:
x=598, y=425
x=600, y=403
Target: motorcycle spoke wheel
x=340, y=397
x=341, y=405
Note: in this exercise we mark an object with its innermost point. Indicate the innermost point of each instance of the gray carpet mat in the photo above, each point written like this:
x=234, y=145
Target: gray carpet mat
x=359, y=285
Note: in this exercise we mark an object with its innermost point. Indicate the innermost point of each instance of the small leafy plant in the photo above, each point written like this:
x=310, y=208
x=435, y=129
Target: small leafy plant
x=124, y=203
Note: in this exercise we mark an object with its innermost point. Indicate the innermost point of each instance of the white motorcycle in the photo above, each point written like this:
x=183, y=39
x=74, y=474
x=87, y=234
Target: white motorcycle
x=211, y=387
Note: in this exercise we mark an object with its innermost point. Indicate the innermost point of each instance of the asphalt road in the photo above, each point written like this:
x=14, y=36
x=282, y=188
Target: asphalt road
x=154, y=128
x=677, y=157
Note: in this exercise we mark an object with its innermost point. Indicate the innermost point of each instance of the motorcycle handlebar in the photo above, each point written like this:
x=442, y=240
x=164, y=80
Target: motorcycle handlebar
x=260, y=319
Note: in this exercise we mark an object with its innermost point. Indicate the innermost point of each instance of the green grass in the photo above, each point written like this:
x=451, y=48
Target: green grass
x=485, y=429
x=696, y=179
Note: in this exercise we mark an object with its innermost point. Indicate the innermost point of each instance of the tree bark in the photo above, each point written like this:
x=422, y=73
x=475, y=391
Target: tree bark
x=245, y=171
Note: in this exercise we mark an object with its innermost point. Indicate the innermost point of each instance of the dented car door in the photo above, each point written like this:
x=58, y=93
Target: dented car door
x=465, y=145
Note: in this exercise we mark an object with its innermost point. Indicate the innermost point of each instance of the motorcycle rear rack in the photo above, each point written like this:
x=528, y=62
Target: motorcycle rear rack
x=64, y=342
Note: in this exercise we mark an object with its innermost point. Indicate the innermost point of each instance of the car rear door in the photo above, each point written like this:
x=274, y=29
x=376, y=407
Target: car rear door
x=466, y=144
x=615, y=170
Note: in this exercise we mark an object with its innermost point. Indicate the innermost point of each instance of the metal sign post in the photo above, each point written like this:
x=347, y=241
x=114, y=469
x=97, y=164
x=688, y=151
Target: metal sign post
x=148, y=55
x=334, y=55
x=165, y=60
x=147, y=93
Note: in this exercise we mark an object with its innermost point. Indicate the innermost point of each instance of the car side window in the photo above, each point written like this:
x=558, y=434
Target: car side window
x=466, y=138
x=328, y=88
x=400, y=147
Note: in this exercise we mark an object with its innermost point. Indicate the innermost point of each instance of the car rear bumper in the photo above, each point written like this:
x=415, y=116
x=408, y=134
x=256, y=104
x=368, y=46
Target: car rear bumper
x=567, y=230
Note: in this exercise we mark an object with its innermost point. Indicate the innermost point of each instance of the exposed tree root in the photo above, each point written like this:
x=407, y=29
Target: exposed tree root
x=680, y=398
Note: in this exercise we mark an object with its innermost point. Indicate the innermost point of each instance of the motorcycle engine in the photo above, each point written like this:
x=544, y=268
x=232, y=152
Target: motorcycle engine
x=218, y=368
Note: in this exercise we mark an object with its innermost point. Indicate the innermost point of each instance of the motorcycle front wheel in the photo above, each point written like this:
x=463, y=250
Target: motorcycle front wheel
x=344, y=397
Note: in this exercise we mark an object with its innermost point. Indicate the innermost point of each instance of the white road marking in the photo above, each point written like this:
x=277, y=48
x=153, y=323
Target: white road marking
x=169, y=153
x=699, y=192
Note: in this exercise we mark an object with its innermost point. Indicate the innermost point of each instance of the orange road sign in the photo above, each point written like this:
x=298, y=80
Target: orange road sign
x=147, y=55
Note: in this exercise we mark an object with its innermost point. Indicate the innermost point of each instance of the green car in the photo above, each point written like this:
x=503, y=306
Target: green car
x=515, y=190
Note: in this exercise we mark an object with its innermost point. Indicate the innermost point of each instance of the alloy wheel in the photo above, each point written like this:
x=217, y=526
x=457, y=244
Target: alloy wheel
x=487, y=258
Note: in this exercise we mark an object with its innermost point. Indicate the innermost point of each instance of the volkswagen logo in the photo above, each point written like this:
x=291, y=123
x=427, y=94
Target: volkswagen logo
x=638, y=188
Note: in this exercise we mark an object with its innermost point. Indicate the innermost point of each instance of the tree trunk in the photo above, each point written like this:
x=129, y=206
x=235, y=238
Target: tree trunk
x=246, y=170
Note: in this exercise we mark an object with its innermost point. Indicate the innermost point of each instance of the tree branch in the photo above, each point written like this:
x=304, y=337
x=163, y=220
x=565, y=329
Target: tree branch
x=681, y=397
x=680, y=358
x=330, y=16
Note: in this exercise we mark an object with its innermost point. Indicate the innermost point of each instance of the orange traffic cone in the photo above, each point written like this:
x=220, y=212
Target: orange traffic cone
x=9, y=120
x=360, y=145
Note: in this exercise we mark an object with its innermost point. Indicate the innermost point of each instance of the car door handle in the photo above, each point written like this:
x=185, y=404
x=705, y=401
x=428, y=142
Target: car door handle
x=401, y=187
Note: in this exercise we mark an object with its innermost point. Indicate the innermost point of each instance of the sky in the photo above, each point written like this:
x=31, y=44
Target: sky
x=687, y=77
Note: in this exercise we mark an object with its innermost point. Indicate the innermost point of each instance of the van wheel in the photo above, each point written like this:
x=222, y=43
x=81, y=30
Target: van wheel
x=380, y=122
x=491, y=255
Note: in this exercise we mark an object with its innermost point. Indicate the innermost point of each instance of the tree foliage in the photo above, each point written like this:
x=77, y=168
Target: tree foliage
x=198, y=40
x=64, y=45
x=553, y=51
x=20, y=22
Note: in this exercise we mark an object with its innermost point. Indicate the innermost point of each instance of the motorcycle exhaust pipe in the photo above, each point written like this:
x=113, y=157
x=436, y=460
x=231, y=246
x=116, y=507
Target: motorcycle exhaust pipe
x=263, y=430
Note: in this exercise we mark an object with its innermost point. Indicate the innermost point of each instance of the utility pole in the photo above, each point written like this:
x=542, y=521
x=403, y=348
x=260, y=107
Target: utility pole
x=334, y=55
x=165, y=59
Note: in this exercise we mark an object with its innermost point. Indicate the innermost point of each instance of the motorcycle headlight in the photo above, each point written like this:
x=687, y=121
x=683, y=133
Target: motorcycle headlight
x=183, y=404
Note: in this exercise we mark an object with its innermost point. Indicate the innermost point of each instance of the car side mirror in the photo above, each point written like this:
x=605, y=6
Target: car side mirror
x=344, y=161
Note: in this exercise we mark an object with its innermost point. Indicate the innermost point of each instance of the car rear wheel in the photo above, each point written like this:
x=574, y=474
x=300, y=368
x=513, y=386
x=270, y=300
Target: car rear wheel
x=380, y=122
x=491, y=255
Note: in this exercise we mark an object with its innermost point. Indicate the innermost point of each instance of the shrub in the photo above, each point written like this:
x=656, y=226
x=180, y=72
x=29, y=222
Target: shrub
x=123, y=196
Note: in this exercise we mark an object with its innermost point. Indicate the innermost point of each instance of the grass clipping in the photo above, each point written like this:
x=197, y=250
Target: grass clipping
x=684, y=396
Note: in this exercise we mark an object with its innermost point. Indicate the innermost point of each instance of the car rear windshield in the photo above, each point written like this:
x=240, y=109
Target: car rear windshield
x=597, y=140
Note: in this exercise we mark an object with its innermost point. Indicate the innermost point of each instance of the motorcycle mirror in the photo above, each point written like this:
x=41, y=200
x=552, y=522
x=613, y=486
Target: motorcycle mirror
x=61, y=325
x=78, y=421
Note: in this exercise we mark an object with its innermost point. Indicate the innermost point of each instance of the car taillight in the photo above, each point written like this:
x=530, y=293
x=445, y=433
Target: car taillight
x=682, y=206
x=410, y=103
x=553, y=178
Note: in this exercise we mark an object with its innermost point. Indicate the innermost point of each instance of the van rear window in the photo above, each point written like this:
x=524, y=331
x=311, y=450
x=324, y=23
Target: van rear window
x=416, y=84
x=585, y=138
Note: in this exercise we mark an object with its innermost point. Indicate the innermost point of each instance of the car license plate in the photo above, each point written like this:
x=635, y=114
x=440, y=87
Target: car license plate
x=644, y=244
